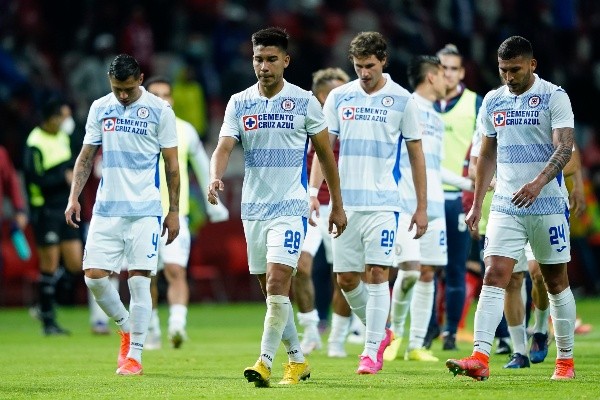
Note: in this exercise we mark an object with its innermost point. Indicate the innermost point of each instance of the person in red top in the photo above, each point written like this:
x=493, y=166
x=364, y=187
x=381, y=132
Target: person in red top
x=324, y=81
x=10, y=188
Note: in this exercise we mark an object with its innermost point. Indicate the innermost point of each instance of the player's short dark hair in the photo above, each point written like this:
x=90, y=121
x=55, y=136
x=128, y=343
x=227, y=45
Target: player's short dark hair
x=272, y=36
x=52, y=107
x=157, y=79
x=418, y=68
x=367, y=44
x=124, y=66
x=515, y=46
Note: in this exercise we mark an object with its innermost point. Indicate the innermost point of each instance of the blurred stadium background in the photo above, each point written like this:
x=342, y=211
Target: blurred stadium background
x=63, y=47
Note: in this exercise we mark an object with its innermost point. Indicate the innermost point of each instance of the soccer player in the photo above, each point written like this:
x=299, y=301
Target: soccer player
x=173, y=259
x=417, y=259
x=458, y=111
x=273, y=120
x=48, y=166
x=133, y=127
x=528, y=135
x=370, y=116
x=324, y=80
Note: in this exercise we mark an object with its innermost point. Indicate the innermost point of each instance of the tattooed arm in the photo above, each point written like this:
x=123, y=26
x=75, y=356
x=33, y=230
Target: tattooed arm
x=81, y=173
x=563, y=143
x=171, y=223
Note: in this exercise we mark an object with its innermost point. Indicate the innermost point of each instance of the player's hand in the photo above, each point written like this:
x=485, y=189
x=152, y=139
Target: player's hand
x=472, y=219
x=419, y=220
x=577, y=202
x=314, y=206
x=337, y=217
x=526, y=195
x=73, y=207
x=171, y=225
x=214, y=188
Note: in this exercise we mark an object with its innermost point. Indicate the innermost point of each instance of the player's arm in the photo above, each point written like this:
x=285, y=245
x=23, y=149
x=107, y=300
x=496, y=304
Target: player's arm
x=171, y=223
x=201, y=164
x=324, y=154
x=574, y=175
x=485, y=170
x=316, y=179
x=419, y=176
x=81, y=173
x=218, y=166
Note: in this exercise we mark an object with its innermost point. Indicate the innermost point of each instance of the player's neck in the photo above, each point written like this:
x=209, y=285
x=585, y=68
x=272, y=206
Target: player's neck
x=270, y=91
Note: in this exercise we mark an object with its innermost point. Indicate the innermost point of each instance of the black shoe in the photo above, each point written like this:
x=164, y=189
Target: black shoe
x=502, y=347
x=432, y=333
x=518, y=361
x=449, y=341
x=55, y=330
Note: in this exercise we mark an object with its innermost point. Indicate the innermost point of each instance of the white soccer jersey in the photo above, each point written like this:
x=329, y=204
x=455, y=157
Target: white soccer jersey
x=274, y=134
x=131, y=138
x=370, y=128
x=432, y=127
x=523, y=127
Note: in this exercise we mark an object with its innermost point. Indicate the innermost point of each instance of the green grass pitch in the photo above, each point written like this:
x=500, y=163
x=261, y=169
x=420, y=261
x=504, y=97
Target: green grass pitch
x=225, y=338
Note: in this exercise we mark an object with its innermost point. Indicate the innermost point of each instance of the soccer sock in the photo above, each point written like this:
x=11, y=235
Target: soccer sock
x=109, y=301
x=310, y=322
x=276, y=319
x=177, y=317
x=96, y=313
x=47, y=291
x=563, y=312
x=154, y=327
x=357, y=300
x=140, y=310
x=487, y=318
x=339, y=329
x=290, y=338
x=541, y=320
x=420, y=313
x=378, y=309
x=401, y=296
x=518, y=336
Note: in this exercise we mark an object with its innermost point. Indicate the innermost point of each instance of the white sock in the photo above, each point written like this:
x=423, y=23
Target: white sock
x=140, y=311
x=177, y=317
x=290, y=338
x=541, y=320
x=154, y=326
x=339, y=329
x=487, y=317
x=109, y=301
x=401, y=295
x=310, y=322
x=518, y=337
x=564, y=313
x=276, y=319
x=357, y=300
x=420, y=313
x=378, y=309
x=96, y=313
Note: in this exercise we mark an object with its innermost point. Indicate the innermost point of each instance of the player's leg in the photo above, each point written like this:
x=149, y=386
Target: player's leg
x=514, y=310
x=541, y=312
x=304, y=291
x=550, y=243
x=506, y=239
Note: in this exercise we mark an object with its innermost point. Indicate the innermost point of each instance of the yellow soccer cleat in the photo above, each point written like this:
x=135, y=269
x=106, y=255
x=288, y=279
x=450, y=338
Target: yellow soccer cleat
x=421, y=354
x=294, y=372
x=259, y=373
x=391, y=352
